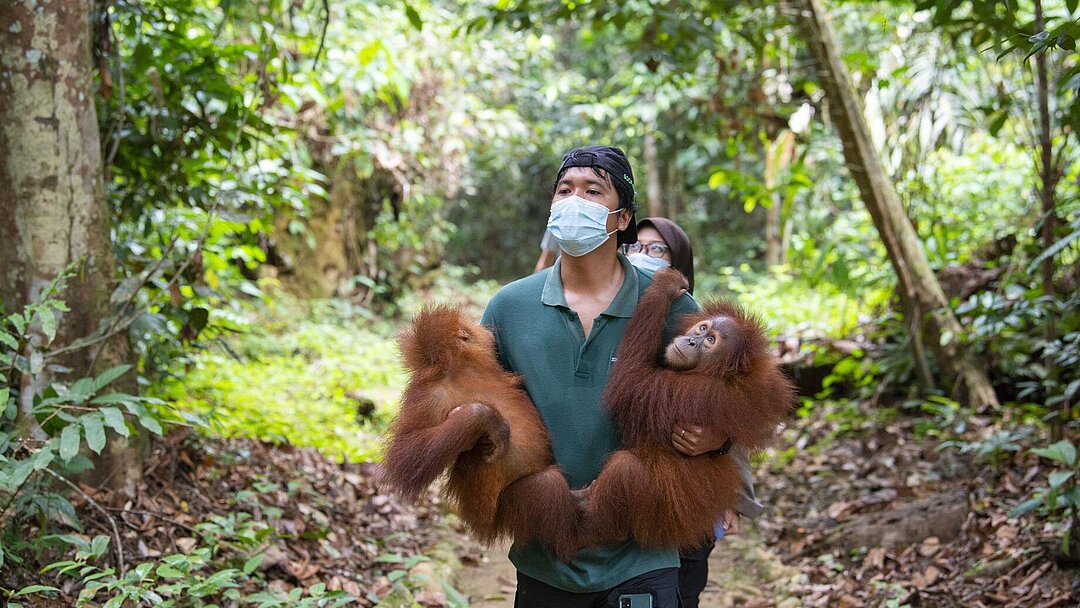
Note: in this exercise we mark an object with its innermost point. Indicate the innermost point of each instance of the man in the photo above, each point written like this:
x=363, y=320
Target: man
x=559, y=329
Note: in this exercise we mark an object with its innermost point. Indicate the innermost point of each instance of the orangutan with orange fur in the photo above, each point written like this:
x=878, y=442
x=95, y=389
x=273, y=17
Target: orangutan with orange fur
x=461, y=410
x=718, y=373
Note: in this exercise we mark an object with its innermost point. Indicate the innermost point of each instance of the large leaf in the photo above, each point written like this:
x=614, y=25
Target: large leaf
x=95, y=432
x=1062, y=451
x=69, y=441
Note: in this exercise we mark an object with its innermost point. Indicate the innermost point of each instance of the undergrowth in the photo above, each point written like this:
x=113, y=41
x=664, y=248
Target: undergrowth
x=319, y=374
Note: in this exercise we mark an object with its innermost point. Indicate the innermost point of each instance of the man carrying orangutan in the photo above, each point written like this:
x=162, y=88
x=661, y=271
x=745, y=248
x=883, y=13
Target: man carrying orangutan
x=559, y=330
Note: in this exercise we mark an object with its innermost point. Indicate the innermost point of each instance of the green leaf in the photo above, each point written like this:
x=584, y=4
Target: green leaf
x=48, y=324
x=1053, y=250
x=1062, y=451
x=35, y=589
x=99, y=545
x=80, y=391
x=367, y=54
x=114, y=398
x=717, y=179
x=43, y=457
x=109, y=375
x=414, y=17
x=19, y=322
x=114, y=419
x=69, y=441
x=1059, y=477
x=151, y=424
x=166, y=571
x=253, y=563
x=1025, y=507
x=95, y=432
x=9, y=341
x=1071, y=5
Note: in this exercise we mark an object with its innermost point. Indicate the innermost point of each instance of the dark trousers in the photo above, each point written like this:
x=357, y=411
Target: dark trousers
x=662, y=585
x=694, y=573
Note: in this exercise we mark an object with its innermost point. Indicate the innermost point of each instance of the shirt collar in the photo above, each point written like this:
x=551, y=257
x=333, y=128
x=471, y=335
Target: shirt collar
x=622, y=305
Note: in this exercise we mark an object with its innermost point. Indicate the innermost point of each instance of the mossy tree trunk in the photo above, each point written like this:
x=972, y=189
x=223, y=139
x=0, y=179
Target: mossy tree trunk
x=918, y=287
x=52, y=205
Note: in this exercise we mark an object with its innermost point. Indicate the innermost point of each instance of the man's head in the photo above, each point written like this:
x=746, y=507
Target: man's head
x=612, y=166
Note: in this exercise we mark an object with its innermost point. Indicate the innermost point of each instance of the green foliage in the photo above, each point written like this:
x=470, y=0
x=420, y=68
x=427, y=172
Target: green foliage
x=289, y=380
x=1060, y=497
x=791, y=304
x=197, y=161
x=223, y=564
x=45, y=435
x=1009, y=327
x=994, y=447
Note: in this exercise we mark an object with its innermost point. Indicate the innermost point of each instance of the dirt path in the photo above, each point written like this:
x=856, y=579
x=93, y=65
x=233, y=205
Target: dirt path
x=742, y=572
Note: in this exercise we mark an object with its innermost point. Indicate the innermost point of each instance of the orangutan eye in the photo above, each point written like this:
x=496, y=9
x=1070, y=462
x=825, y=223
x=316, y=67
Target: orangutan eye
x=711, y=339
x=702, y=327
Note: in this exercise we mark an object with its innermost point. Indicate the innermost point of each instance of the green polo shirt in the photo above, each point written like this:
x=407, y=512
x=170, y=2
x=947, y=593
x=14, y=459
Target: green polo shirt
x=541, y=339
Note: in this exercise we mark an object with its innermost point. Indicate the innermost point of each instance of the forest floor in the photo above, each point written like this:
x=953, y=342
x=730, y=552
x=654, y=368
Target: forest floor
x=871, y=516
x=858, y=516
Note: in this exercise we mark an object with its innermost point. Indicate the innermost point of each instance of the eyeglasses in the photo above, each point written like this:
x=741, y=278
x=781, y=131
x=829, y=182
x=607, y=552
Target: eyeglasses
x=653, y=250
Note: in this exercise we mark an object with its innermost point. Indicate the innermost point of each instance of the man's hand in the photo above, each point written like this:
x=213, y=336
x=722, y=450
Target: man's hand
x=695, y=440
x=730, y=521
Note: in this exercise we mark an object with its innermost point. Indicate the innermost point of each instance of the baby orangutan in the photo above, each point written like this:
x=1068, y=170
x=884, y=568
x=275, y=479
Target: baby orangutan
x=459, y=395
x=718, y=373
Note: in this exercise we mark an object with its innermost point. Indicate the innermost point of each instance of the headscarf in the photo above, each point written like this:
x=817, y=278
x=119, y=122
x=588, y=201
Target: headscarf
x=682, y=254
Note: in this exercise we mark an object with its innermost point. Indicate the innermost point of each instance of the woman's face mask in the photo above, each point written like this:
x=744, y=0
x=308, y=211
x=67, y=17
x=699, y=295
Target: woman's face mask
x=579, y=226
x=647, y=262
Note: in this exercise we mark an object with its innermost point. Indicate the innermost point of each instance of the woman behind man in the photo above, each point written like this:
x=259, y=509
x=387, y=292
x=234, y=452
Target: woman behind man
x=660, y=243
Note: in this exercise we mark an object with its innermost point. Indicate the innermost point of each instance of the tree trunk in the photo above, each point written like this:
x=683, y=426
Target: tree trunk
x=52, y=206
x=918, y=286
x=653, y=187
x=778, y=155
x=1048, y=176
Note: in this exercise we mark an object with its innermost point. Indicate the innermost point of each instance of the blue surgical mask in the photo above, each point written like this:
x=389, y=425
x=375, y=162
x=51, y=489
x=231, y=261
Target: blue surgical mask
x=647, y=262
x=579, y=226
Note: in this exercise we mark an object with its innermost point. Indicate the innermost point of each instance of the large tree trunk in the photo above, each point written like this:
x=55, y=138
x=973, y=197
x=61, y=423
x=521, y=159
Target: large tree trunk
x=918, y=286
x=52, y=207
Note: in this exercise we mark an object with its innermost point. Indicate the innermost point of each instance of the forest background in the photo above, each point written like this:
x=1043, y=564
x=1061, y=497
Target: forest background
x=214, y=216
